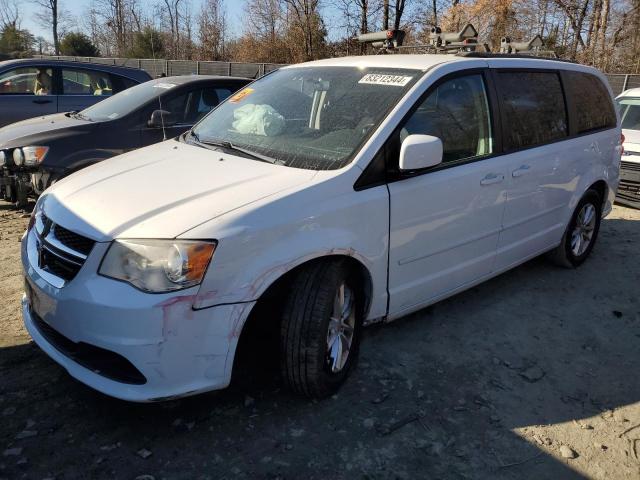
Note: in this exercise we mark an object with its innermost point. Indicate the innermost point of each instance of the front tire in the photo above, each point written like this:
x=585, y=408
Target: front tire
x=321, y=328
x=581, y=233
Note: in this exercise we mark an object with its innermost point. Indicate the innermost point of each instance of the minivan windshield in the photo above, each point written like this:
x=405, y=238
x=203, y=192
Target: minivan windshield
x=126, y=101
x=307, y=117
x=630, y=113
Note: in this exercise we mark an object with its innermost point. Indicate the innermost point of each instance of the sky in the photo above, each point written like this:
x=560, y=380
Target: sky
x=78, y=7
x=235, y=12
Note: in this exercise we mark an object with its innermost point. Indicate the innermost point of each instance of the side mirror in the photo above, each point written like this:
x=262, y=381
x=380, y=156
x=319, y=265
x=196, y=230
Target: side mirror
x=156, y=120
x=420, y=151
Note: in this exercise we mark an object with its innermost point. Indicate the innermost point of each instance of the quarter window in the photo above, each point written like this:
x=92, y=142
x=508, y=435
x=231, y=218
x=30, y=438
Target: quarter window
x=534, y=108
x=594, y=109
x=84, y=82
x=456, y=112
x=27, y=81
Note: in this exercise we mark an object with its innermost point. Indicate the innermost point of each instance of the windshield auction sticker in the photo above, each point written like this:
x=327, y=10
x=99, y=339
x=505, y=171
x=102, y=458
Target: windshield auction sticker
x=240, y=95
x=379, y=79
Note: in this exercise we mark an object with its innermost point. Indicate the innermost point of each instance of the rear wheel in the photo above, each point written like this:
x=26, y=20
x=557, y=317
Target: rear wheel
x=582, y=232
x=320, y=332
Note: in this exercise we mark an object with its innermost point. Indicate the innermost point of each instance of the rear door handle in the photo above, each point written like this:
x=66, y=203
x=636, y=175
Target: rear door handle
x=518, y=172
x=492, y=178
x=42, y=101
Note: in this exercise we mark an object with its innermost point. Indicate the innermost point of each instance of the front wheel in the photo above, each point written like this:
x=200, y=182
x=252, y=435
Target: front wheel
x=320, y=332
x=582, y=232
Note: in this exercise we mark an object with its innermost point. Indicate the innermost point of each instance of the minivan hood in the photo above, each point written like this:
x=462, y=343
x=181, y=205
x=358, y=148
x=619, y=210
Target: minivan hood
x=35, y=129
x=161, y=191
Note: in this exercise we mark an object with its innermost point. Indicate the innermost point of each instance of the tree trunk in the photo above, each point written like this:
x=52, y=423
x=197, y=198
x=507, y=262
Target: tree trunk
x=594, y=30
x=385, y=15
x=54, y=25
x=435, y=13
x=603, y=33
x=364, y=24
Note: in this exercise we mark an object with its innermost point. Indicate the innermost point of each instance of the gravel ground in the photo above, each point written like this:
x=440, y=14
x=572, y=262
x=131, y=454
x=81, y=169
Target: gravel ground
x=531, y=375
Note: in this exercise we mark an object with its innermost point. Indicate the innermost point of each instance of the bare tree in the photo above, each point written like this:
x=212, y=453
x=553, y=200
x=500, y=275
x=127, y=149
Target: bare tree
x=265, y=19
x=398, y=10
x=112, y=23
x=356, y=15
x=212, y=30
x=305, y=16
x=48, y=16
x=173, y=11
x=9, y=14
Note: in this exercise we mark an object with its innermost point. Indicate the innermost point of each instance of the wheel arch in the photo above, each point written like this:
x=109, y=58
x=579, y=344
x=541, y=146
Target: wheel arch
x=602, y=188
x=365, y=280
x=262, y=326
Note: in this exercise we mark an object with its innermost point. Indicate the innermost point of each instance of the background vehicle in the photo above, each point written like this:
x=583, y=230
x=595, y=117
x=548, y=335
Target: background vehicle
x=33, y=87
x=54, y=146
x=323, y=196
x=629, y=189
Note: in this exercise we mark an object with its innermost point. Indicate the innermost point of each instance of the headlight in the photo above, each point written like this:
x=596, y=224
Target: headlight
x=158, y=265
x=34, y=155
x=18, y=157
x=3, y=158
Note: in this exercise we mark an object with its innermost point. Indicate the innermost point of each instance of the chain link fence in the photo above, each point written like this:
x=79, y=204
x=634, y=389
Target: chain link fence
x=621, y=82
x=155, y=68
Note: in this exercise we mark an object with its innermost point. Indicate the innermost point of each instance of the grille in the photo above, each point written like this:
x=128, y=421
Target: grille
x=73, y=240
x=61, y=252
x=634, y=167
x=57, y=264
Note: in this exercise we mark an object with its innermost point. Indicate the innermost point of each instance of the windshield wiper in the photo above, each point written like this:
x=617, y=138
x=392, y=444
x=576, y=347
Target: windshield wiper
x=79, y=116
x=230, y=146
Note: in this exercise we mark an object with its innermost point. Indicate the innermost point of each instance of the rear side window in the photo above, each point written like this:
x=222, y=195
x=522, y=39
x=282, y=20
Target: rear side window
x=593, y=105
x=121, y=83
x=534, y=108
x=86, y=82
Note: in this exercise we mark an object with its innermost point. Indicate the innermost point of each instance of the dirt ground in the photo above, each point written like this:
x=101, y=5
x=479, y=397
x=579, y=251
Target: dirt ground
x=503, y=381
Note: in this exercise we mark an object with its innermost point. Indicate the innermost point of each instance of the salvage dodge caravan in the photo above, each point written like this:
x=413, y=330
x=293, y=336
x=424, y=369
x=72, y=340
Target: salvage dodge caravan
x=320, y=198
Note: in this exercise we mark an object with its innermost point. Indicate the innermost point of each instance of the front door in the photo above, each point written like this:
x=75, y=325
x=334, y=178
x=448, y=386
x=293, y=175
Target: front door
x=26, y=92
x=185, y=109
x=445, y=223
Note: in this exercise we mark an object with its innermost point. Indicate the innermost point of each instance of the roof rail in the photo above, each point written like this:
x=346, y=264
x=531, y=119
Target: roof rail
x=510, y=55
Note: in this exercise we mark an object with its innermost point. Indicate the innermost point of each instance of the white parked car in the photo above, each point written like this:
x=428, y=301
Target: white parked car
x=629, y=188
x=322, y=197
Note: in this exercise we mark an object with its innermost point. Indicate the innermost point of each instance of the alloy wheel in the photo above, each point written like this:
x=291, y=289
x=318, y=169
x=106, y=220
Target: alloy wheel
x=341, y=328
x=583, y=231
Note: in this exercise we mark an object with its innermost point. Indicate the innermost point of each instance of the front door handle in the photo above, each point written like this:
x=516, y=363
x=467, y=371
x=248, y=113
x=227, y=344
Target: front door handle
x=518, y=172
x=492, y=178
x=42, y=101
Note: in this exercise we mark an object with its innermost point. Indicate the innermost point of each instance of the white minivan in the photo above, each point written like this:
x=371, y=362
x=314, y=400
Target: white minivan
x=320, y=198
x=629, y=189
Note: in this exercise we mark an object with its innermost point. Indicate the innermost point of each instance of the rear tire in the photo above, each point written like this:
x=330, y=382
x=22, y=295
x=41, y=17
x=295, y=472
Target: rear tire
x=321, y=328
x=582, y=232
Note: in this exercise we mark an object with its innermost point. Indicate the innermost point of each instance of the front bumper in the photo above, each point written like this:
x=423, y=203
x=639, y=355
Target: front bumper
x=629, y=189
x=177, y=351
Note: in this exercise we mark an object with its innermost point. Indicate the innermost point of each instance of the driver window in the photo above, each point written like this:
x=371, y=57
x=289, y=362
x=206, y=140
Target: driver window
x=457, y=112
x=27, y=81
x=176, y=106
